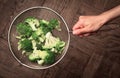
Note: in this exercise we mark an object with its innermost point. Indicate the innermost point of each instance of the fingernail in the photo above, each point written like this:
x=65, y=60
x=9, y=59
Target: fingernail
x=74, y=32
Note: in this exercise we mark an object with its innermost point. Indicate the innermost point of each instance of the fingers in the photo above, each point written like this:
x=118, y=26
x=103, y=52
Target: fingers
x=87, y=34
x=77, y=25
x=84, y=35
x=81, y=28
x=80, y=31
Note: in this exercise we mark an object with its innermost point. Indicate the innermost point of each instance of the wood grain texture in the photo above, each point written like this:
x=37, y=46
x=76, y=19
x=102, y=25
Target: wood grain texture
x=95, y=56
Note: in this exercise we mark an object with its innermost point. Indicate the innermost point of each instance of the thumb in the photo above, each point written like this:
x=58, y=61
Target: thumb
x=80, y=31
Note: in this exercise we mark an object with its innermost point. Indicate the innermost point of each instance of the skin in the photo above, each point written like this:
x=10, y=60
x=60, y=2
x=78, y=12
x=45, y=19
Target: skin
x=88, y=24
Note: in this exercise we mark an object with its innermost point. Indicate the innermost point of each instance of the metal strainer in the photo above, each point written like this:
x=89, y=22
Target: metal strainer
x=40, y=13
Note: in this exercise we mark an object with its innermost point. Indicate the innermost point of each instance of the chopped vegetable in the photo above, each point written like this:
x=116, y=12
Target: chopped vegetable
x=33, y=22
x=54, y=23
x=24, y=29
x=42, y=57
x=36, y=40
x=26, y=45
x=53, y=43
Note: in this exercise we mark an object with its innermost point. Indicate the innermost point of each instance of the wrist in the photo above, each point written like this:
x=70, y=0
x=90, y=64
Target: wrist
x=104, y=18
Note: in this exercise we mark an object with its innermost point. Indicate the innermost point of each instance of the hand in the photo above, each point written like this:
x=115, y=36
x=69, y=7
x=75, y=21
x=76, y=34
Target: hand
x=87, y=24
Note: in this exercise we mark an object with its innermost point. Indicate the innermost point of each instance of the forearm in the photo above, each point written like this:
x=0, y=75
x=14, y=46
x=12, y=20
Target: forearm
x=110, y=14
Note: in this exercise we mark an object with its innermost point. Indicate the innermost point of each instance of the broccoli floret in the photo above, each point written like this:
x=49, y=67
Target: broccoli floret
x=35, y=36
x=24, y=29
x=44, y=26
x=54, y=23
x=38, y=34
x=43, y=23
x=42, y=38
x=42, y=57
x=36, y=45
x=53, y=42
x=34, y=56
x=48, y=26
x=50, y=41
x=50, y=58
x=38, y=38
x=33, y=22
x=25, y=45
x=45, y=30
x=39, y=31
x=59, y=47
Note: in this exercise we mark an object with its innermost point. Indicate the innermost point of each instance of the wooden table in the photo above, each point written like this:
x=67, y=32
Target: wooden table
x=95, y=56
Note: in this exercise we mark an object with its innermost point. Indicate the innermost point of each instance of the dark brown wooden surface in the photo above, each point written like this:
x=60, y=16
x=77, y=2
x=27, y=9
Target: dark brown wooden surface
x=96, y=56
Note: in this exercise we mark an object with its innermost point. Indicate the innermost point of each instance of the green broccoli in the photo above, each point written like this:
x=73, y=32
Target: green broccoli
x=53, y=42
x=50, y=41
x=44, y=26
x=36, y=45
x=37, y=42
x=24, y=29
x=39, y=31
x=48, y=26
x=38, y=35
x=54, y=23
x=43, y=23
x=25, y=45
x=33, y=22
x=42, y=57
x=59, y=47
x=35, y=36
